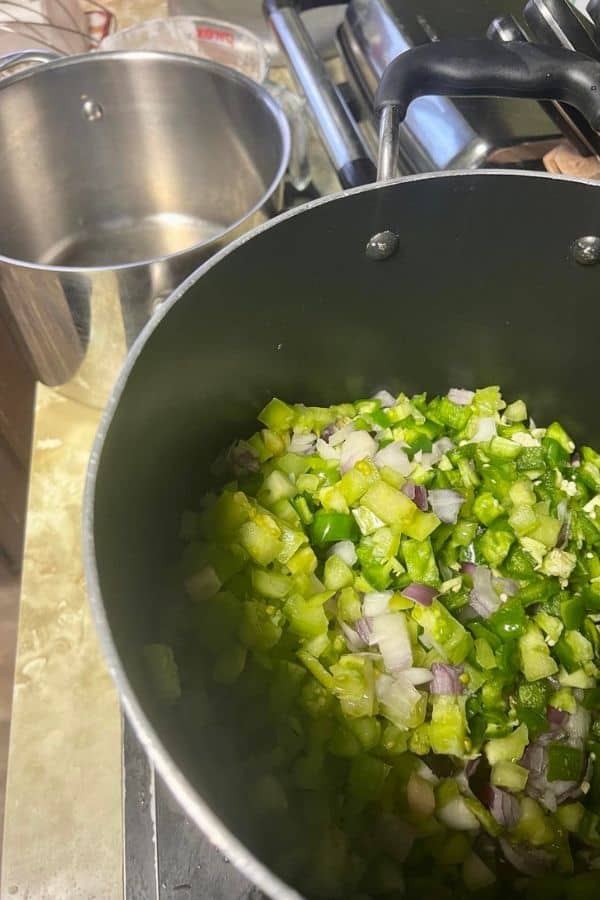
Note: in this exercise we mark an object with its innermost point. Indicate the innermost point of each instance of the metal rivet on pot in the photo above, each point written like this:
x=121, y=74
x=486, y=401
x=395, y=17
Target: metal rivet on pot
x=92, y=111
x=382, y=245
x=586, y=250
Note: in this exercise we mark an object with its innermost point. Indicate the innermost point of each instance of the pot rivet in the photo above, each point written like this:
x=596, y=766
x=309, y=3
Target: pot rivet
x=586, y=250
x=92, y=111
x=382, y=245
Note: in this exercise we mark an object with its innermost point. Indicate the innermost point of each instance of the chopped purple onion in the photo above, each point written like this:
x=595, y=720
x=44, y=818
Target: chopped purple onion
x=417, y=493
x=471, y=766
x=468, y=568
x=502, y=805
x=328, y=431
x=557, y=717
x=353, y=639
x=302, y=444
x=408, y=489
x=363, y=629
x=576, y=460
x=420, y=593
x=243, y=459
x=527, y=861
x=461, y=396
x=446, y=679
x=446, y=504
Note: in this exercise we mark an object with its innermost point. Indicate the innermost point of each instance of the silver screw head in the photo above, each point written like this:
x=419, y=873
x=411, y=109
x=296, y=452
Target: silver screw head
x=586, y=250
x=92, y=110
x=382, y=245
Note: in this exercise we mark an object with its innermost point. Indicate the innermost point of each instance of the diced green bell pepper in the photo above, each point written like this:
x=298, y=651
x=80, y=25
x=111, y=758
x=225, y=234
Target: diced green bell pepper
x=564, y=762
x=330, y=527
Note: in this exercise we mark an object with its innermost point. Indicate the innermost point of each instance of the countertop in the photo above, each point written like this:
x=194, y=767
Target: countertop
x=63, y=829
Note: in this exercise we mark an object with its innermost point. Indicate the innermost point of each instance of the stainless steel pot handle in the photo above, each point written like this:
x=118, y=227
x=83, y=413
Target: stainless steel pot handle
x=341, y=137
x=22, y=56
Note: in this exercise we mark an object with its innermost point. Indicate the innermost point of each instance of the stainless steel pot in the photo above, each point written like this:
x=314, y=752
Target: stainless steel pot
x=121, y=172
x=416, y=285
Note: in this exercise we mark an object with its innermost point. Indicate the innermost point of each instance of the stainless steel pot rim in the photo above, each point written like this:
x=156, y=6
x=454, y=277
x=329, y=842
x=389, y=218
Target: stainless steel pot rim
x=177, y=58
x=180, y=786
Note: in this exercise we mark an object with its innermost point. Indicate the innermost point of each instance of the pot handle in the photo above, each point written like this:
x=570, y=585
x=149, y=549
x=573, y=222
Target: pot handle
x=474, y=68
x=342, y=139
x=22, y=56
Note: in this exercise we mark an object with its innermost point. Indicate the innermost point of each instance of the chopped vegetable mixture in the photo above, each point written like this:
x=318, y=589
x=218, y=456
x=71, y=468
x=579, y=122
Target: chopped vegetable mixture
x=398, y=603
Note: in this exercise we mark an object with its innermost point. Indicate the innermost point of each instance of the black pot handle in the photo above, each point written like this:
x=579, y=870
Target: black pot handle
x=342, y=139
x=463, y=68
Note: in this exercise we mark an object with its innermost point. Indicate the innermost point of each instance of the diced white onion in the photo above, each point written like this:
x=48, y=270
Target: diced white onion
x=387, y=399
x=394, y=457
x=346, y=551
x=358, y=445
x=390, y=633
x=377, y=603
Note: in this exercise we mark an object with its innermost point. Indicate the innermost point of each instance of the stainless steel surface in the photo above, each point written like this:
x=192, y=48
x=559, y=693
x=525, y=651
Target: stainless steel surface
x=121, y=173
x=389, y=140
x=331, y=116
x=191, y=383
x=586, y=250
x=165, y=855
x=434, y=133
x=439, y=133
x=506, y=28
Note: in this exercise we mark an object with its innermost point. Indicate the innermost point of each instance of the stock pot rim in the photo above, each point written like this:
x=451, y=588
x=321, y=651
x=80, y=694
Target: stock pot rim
x=203, y=65
x=184, y=791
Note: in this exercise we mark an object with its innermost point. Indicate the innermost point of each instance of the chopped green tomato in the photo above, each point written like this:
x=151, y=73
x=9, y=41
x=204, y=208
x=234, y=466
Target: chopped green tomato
x=509, y=775
x=305, y=617
x=261, y=541
x=536, y=661
x=448, y=729
x=351, y=639
x=509, y=748
x=277, y=415
x=337, y=574
x=388, y=504
x=446, y=632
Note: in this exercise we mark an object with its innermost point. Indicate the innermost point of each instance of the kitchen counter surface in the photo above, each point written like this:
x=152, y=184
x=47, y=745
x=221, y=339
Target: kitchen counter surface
x=63, y=830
